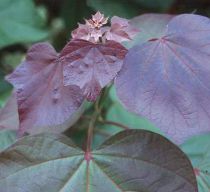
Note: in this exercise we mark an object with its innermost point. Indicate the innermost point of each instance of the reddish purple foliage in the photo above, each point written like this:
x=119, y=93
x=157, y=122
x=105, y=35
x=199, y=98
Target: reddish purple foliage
x=120, y=30
x=42, y=98
x=168, y=80
x=95, y=31
x=91, y=66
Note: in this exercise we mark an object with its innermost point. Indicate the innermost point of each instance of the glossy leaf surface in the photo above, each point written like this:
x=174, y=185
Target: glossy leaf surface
x=91, y=66
x=167, y=80
x=129, y=161
x=43, y=101
x=198, y=150
x=19, y=22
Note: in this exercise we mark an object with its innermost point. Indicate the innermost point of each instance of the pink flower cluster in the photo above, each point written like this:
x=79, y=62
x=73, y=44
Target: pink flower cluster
x=95, y=31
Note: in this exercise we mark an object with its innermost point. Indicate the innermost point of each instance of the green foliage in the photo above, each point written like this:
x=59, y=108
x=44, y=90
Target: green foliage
x=161, y=5
x=115, y=7
x=129, y=8
x=74, y=11
x=198, y=150
x=5, y=90
x=7, y=138
x=117, y=113
x=20, y=22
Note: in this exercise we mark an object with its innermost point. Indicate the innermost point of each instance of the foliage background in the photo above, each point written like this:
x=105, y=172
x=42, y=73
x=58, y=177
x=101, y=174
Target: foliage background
x=24, y=22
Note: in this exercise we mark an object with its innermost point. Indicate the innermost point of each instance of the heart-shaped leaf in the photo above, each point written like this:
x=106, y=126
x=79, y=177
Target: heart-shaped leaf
x=19, y=22
x=150, y=26
x=132, y=160
x=91, y=66
x=43, y=100
x=198, y=150
x=167, y=79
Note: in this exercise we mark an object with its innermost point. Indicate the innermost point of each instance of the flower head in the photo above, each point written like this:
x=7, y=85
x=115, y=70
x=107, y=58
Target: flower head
x=97, y=21
x=95, y=31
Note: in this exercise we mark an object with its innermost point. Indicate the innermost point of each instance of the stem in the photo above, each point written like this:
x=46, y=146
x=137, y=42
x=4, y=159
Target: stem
x=90, y=131
x=93, y=120
x=116, y=124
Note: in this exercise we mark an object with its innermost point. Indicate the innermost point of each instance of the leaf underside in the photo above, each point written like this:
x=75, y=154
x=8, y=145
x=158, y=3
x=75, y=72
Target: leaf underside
x=132, y=160
x=167, y=79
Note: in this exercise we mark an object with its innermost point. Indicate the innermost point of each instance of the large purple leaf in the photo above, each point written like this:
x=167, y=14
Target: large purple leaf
x=43, y=101
x=91, y=66
x=150, y=26
x=167, y=79
x=133, y=160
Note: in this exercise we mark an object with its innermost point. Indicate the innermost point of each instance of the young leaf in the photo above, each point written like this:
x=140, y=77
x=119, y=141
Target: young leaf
x=21, y=16
x=9, y=118
x=132, y=160
x=197, y=149
x=43, y=101
x=91, y=66
x=167, y=79
x=121, y=30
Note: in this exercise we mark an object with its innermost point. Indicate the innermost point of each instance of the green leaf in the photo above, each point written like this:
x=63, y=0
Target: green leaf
x=119, y=114
x=74, y=11
x=198, y=150
x=132, y=160
x=115, y=7
x=151, y=26
x=5, y=90
x=159, y=5
x=20, y=22
x=7, y=138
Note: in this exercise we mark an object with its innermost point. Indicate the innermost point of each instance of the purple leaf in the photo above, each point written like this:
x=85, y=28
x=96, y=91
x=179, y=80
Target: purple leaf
x=150, y=26
x=167, y=79
x=43, y=101
x=121, y=30
x=91, y=66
